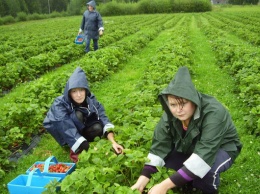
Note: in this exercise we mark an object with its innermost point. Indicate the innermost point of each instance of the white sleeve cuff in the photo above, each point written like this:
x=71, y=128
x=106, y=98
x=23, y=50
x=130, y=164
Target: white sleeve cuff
x=77, y=144
x=155, y=160
x=101, y=29
x=197, y=165
x=107, y=126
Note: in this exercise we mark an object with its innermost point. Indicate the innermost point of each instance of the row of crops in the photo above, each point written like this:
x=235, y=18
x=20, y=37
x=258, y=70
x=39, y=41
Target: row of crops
x=25, y=57
x=25, y=107
x=242, y=61
x=23, y=60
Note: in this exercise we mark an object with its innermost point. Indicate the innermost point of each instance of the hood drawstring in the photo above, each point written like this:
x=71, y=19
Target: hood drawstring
x=86, y=108
x=96, y=112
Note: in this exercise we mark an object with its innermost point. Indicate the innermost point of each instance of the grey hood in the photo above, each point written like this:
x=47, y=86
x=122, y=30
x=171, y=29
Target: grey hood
x=92, y=3
x=77, y=80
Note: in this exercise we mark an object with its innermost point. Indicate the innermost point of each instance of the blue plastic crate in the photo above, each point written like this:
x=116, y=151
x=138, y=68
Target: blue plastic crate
x=33, y=183
x=79, y=39
x=52, y=161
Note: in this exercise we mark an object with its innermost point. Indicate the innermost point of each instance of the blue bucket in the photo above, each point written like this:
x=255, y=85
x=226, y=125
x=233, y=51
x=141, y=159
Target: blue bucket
x=79, y=39
x=30, y=184
x=52, y=161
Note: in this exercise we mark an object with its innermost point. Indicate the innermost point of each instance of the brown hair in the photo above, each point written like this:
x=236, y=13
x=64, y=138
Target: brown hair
x=179, y=100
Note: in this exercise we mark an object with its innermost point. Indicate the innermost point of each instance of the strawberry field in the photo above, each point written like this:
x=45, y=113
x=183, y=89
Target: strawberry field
x=138, y=57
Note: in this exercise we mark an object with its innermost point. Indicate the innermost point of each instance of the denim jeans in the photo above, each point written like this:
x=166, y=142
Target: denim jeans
x=95, y=42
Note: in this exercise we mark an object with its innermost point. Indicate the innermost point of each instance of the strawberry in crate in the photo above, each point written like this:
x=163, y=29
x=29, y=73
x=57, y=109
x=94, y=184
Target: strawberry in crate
x=51, y=167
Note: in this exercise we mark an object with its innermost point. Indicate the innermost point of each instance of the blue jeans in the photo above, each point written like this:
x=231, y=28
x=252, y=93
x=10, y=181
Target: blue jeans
x=95, y=42
x=210, y=182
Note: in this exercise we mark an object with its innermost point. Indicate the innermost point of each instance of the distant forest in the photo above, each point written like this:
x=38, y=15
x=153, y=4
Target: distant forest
x=13, y=7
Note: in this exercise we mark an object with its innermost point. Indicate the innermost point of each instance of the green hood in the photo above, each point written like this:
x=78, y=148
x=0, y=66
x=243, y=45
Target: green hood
x=181, y=86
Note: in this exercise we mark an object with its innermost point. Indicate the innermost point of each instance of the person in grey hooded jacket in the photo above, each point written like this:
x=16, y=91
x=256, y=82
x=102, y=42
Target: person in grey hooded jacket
x=91, y=26
x=195, y=136
x=77, y=118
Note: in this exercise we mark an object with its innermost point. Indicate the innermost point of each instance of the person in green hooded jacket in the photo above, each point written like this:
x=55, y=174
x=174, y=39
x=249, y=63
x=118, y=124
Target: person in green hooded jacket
x=195, y=136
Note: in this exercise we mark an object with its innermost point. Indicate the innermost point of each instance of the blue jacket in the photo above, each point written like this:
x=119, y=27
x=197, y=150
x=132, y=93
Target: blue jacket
x=92, y=22
x=61, y=121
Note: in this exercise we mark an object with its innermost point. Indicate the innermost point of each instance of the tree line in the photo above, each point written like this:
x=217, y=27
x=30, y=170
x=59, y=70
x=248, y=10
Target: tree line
x=243, y=2
x=13, y=7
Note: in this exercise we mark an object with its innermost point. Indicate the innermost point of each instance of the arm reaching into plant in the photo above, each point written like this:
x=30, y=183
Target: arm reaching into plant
x=162, y=188
x=118, y=148
x=140, y=183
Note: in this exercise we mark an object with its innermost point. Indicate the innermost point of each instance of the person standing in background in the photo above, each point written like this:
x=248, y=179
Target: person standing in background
x=91, y=26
